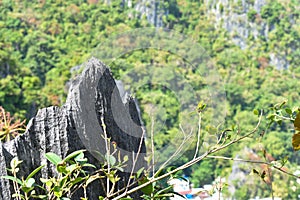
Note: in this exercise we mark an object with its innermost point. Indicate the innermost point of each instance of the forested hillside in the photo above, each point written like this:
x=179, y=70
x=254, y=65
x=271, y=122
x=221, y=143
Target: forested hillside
x=254, y=46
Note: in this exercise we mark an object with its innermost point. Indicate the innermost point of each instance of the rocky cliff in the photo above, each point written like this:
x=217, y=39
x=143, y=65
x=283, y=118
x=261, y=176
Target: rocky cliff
x=93, y=96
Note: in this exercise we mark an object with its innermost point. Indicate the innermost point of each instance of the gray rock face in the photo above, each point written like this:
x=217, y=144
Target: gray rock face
x=153, y=10
x=93, y=97
x=232, y=16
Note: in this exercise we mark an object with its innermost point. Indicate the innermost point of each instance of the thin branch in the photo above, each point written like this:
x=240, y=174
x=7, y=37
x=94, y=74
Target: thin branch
x=238, y=159
x=241, y=137
x=135, y=159
x=288, y=173
x=107, y=147
x=255, y=162
x=190, y=163
x=221, y=136
x=199, y=136
x=283, y=117
x=155, y=179
x=16, y=186
x=178, y=150
x=152, y=145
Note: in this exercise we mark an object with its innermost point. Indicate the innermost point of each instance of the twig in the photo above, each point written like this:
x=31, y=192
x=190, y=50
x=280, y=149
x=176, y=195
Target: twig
x=16, y=186
x=283, y=117
x=241, y=137
x=255, y=162
x=238, y=159
x=178, y=150
x=199, y=136
x=155, y=179
x=135, y=159
x=152, y=145
x=107, y=147
x=288, y=173
x=190, y=163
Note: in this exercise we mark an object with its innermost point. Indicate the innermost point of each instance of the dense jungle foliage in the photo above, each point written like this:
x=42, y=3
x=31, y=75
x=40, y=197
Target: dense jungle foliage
x=41, y=41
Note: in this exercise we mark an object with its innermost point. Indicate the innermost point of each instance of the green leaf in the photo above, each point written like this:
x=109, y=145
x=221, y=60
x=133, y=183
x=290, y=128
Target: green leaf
x=34, y=172
x=111, y=159
x=201, y=106
x=159, y=172
x=77, y=180
x=20, y=196
x=278, y=121
x=48, y=182
x=162, y=191
x=271, y=116
x=284, y=160
x=89, y=165
x=79, y=156
x=57, y=191
x=62, y=182
x=91, y=179
x=282, y=104
x=29, y=182
x=139, y=172
x=81, y=161
x=71, y=168
x=256, y=112
x=148, y=189
x=125, y=159
x=13, y=179
x=296, y=141
x=14, y=163
x=26, y=189
x=72, y=155
x=112, y=177
x=119, y=168
x=44, y=180
x=288, y=111
x=61, y=167
x=39, y=196
x=54, y=158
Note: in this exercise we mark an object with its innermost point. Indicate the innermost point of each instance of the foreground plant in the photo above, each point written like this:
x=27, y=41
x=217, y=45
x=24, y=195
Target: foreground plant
x=9, y=128
x=25, y=187
x=281, y=112
x=73, y=174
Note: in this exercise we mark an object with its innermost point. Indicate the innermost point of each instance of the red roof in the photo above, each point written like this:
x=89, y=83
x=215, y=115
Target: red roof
x=185, y=192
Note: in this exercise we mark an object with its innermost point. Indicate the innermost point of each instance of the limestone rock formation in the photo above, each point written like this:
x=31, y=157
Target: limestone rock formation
x=93, y=97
